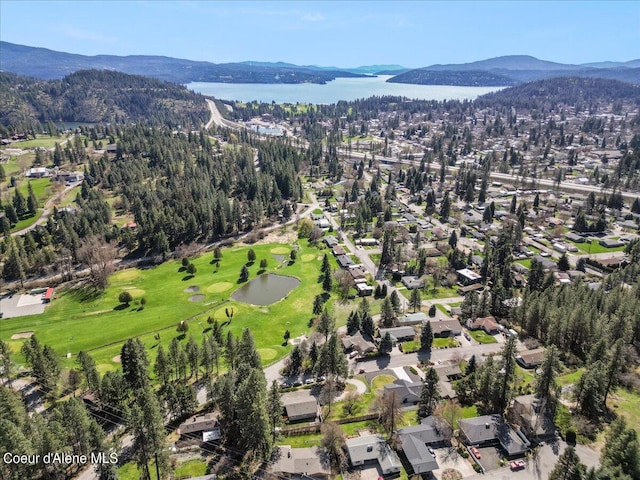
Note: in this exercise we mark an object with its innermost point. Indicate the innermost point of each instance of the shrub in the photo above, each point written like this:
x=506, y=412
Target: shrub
x=125, y=297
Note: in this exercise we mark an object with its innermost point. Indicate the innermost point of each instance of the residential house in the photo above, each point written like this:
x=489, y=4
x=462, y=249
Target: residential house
x=493, y=430
x=412, y=318
x=468, y=277
x=363, y=289
x=407, y=393
x=373, y=448
x=399, y=334
x=338, y=250
x=412, y=282
x=488, y=324
x=528, y=411
x=610, y=243
x=344, y=261
x=300, y=463
x=206, y=425
x=358, y=274
x=331, y=241
x=358, y=342
x=300, y=405
x=432, y=432
x=445, y=328
x=531, y=358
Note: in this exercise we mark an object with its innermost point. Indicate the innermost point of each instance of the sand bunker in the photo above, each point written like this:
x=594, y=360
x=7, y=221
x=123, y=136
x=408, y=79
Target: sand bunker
x=192, y=289
x=18, y=336
x=116, y=359
x=196, y=298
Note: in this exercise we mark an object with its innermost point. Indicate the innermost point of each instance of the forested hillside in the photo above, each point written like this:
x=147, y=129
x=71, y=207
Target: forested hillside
x=94, y=96
x=565, y=90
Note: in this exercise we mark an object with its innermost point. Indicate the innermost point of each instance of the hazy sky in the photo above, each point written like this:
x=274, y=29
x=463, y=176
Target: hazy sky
x=338, y=33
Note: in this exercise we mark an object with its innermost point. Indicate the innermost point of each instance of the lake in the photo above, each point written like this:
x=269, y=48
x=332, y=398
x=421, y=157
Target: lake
x=265, y=289
x=338, y=89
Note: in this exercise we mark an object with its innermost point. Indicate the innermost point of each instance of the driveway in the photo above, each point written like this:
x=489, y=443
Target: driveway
x=449, y=458
x=541, y=465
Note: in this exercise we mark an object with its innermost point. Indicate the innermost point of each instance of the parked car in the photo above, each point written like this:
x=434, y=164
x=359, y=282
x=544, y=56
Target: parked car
x=361, y=370
x=517, y=465
x=476, y=453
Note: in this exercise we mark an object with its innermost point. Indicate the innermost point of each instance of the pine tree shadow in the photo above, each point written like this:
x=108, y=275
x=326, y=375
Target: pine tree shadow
x=122, y=306
x=187, y=277
x=85, y=294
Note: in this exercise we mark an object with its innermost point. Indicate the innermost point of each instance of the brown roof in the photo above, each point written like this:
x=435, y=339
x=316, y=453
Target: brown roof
x=486, y=323
x=531, y=357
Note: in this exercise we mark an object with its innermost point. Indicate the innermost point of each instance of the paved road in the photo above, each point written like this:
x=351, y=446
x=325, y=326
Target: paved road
x=48, y=206
x=541, y=465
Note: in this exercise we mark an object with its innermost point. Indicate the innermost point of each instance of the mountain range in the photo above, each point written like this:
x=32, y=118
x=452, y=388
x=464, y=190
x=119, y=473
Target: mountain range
x=514, y=69
x=500, y=71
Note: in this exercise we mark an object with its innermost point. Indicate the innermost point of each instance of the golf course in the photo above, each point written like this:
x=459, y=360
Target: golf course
x=99, y=323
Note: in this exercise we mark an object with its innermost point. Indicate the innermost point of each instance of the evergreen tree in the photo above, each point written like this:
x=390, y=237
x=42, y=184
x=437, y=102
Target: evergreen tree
x=327, y=281
x=135, y=364
x=318, y=302
x=568, y=466
x=415, y=301
x=386, y=344
x=395, y=302
x=387, y=314
x=90, y=371
x=429, y=394
x=353, y=323
x=563, y=263
x=326, y=323
x=621, y=449
x=147, y=429
x=244, y=274
x=426, y=337
x=274, y=409
x=367, y=325
x=453, y=239
x=445, y=207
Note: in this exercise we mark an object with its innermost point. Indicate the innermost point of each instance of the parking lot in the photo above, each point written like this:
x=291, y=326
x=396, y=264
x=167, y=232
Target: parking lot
x=21, y=305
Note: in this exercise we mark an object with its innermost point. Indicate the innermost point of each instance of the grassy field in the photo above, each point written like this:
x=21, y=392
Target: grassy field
x=445, y=342
x=595, y=247
x=40, y=141
x=526, y=262
x=78, y=320
x=570, y=378
x=626, y=403
x=40, y=189
x=190, y=468
x=482, y=337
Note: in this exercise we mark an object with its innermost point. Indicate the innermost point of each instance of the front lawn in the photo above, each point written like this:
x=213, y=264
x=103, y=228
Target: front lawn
x=446, y=342
x=482, y=337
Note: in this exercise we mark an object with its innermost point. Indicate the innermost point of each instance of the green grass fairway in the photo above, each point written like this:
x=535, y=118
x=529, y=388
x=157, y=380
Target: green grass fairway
x=219, y=287
x=100, y=324
x=125, y=276
x=267, y=354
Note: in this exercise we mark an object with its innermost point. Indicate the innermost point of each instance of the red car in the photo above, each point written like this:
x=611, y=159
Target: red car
x=517, y=465
x=476, y=453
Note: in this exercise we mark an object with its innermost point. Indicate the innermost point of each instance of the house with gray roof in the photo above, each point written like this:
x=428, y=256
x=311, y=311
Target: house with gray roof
x=399, y=334
x=412, y=318
x=373, y=448
x=407, y=393
x=412, y=282
x=445, y=328
x=300, y=405
x=493, y=430
x=300, y=463
x=415, y=439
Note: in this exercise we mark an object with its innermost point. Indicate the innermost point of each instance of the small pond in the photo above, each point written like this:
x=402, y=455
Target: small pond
x=265, y=289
